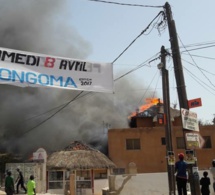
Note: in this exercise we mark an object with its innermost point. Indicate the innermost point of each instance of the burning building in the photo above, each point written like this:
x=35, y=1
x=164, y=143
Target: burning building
x=152, y=112
x=143, y=145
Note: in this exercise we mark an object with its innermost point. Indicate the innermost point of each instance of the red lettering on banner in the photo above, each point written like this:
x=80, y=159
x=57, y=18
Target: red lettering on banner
x=49, y=62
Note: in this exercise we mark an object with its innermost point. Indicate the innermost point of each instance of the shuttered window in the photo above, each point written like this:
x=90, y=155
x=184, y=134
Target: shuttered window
x=133, y=144
x=207, y=143
x=180, y=143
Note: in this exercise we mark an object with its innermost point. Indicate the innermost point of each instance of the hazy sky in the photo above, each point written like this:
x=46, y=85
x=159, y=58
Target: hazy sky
x=110, y=28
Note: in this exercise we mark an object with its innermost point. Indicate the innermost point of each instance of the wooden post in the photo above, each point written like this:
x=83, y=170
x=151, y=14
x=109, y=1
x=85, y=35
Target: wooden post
x=72, y=184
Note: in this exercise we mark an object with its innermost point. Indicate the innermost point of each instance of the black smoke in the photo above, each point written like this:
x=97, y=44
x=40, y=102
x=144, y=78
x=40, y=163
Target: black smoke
x=30, y=117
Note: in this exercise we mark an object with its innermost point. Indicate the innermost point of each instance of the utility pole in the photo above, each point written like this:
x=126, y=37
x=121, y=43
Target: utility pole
x=182, y=95
x=167, y=121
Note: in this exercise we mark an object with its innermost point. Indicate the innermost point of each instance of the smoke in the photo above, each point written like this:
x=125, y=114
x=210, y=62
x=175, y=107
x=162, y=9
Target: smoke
x=29, y=116
x=42, y=27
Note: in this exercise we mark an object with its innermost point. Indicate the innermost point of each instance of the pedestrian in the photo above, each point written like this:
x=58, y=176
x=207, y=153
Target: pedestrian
x=31, y=186
x=9, y=184
x=181, y=175
x=20, y=181
x=212, y=170
x=205, y=183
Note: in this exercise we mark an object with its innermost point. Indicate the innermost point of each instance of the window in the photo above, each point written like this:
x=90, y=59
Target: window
x=55, y=179
x=83, y=179
x=132, y=144
x=163, y=141
x=118, y=171
x=207, y=142
x=180, y=143
x=84, y=174
x=100, y=174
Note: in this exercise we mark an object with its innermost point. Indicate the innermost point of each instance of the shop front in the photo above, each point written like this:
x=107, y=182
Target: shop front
x=84, y=163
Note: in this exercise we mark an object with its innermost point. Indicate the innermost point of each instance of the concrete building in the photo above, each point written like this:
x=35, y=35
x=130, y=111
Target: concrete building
x=143, y=148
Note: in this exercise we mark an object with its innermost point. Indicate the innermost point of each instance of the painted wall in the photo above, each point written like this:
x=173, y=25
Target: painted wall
x=28, y=169
x=144, y=184
x=152, y=155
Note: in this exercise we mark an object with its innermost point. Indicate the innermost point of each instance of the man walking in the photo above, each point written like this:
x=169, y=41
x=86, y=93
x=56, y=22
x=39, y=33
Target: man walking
x=20, y=181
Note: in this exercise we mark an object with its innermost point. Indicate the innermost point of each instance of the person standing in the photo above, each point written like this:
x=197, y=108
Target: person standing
x=9, y=184
x=212, y=170
x=20, y=181
x=205, y=183
x=181, y=175
x=31, y=186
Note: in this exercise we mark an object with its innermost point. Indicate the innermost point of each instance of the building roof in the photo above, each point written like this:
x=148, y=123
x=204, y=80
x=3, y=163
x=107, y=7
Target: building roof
x=79, y=156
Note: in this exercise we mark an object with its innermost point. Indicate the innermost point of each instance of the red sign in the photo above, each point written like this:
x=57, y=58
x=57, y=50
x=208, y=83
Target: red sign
x=195, y=103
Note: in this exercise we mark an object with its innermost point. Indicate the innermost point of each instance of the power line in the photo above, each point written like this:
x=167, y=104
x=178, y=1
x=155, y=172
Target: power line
x=199, y=44
x=52, y=114
x=199, y=67
x=197, y=80
x=196, y=64
x=199, y=56
x=126, y=4
x=136, y=68
x=141, y=99
x=145, y=63
x=198, y=48
x=160, y=13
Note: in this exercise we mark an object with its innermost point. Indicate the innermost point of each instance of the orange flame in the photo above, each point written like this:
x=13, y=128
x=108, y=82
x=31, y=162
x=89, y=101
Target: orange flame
x=149, y=102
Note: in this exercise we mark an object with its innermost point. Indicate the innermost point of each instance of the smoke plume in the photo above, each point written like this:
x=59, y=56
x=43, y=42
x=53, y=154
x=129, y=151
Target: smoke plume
x=29, y=116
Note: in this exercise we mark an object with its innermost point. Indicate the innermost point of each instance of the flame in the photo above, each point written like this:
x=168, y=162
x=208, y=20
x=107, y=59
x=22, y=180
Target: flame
x=149, y=102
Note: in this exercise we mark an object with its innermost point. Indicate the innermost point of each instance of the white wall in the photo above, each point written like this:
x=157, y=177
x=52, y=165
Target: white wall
x=36, y=169
x=144, y=184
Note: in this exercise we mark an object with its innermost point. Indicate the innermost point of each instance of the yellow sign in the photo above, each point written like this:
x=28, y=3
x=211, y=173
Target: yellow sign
x=192, y=140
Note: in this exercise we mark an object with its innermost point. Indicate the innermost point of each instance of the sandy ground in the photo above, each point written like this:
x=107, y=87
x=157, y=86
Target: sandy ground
x=156, y=184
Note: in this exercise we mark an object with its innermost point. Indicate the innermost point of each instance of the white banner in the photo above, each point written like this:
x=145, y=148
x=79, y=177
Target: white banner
x=30, y=69
x=189, y=120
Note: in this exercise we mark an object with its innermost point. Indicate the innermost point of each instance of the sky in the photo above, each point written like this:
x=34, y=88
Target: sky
x=110, y=28
x=100, y=32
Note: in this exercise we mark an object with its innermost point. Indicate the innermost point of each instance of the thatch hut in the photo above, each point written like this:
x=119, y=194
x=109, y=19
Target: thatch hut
x=86, y=163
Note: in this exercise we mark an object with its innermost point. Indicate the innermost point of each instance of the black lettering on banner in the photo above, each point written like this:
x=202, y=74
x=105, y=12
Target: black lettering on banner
x=63, y=64
x=32, y=60
x=85, y=81
x=19, y=58
x=72, y=65
x=5, y=55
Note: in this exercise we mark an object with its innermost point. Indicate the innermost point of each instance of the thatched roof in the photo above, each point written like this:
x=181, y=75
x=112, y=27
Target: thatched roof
x=79, y=156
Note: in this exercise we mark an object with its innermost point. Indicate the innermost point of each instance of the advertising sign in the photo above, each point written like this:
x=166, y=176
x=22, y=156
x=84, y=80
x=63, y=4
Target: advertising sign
x=190, y=158
x=192, y=140
x=189, y=120
x=171, y=158
x=31, y=69
x=195, y=103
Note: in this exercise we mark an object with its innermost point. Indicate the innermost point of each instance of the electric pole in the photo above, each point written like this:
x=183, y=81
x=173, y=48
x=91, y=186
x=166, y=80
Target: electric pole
x=182, y=95
x=167, y=121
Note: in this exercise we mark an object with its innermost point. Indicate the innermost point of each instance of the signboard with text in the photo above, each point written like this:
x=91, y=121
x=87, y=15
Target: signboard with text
x=25, y=69
x=195, y=103
x=192, y=140
x=189, y=120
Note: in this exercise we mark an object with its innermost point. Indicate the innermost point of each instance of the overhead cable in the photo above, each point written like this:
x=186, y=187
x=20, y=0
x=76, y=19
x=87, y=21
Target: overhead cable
x=52, y=114
x=199, y=56
x=197, y=80
x=196, y=64
x=126, y=4
x=161, y=12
